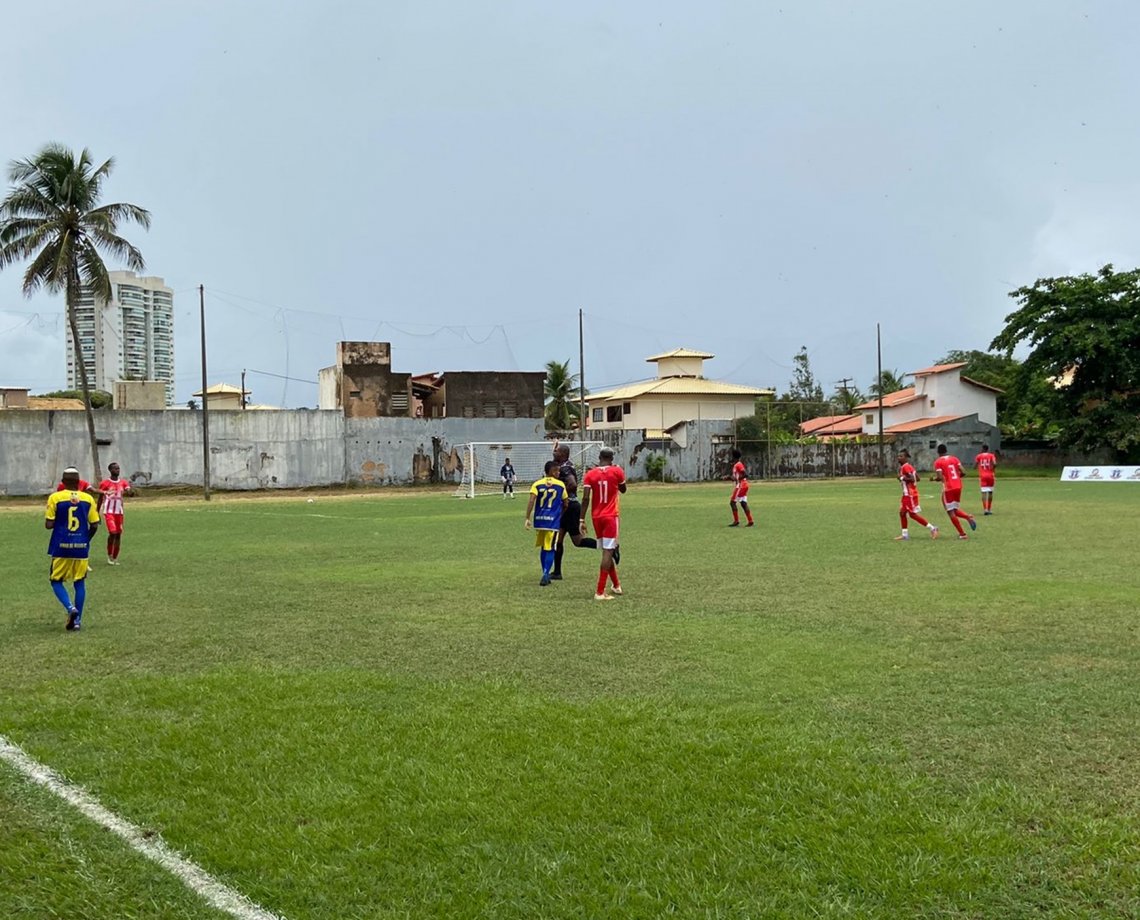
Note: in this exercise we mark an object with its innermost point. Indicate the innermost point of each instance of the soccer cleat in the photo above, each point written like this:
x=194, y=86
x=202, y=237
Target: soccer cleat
x=987, y=513
x=616, y=589
x=734, y=524
x=603, y=597
x=962, y=536
x=973, y=524
x=72, y=619
x=617, y=555
x=751, y=523
x=933, y=533
x=902, y=537
x=544, y=582
x=556, y=576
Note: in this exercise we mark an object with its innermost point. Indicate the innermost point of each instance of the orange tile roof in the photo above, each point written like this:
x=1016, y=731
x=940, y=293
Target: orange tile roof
x=984, y=386
x=897, y=398
x=937, y=369
x=833, y=424
x=919, y=423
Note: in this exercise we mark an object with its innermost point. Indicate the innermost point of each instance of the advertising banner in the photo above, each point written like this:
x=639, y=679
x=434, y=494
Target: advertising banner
x=1100, y=474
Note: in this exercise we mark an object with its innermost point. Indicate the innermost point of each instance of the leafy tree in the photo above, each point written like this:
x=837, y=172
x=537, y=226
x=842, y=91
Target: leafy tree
x=52, y=216
x=1084, y=334
x=888, y=382
x=804, y=387
x=561, y=392
x=100, y=399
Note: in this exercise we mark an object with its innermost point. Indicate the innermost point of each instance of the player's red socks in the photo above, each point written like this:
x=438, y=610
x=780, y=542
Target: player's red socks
x=749, y=516
x=957, y=526
x=603, y=575
x=918, y=519
x=613, y=577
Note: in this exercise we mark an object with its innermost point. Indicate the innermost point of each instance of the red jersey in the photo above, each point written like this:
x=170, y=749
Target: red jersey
x=84, y=485
x=909, y=486
x=603, y=482
x=739, y=473
x=113, y=490
x=986, y=464
x=951, y=469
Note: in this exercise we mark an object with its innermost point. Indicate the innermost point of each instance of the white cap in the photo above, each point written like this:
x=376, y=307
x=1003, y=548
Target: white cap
x=71, y=469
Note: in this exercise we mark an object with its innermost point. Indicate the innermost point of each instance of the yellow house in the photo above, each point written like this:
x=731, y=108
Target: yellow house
x=679, y=393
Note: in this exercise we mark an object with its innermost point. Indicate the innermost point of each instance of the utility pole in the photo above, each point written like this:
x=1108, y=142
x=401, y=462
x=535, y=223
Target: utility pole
x=581, y=382
x=879, y=350
x=205, y=399
x=243, y=387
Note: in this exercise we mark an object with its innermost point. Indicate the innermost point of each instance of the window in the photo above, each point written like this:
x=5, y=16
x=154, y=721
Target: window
x=627, y=408
x=932, y=404
x=613, y=413
x=599, y=414
x=400, y=402
x=469, y=412
x=870, y=418
x=510, y=410
x=490, y=410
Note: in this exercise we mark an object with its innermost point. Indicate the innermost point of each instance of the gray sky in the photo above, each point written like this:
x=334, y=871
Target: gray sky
x=460, y=178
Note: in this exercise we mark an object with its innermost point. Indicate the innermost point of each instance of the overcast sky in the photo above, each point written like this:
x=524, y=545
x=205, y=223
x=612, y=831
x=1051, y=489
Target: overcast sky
x=461, y=178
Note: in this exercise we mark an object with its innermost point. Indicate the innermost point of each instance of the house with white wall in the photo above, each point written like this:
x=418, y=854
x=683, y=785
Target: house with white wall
x=940, y=394
x=679, y=393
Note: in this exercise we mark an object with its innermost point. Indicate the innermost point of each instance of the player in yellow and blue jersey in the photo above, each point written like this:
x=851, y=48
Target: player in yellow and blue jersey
x=72, y=518
x=547, y=496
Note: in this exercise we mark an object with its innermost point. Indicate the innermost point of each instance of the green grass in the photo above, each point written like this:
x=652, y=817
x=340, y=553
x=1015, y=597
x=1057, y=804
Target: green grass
x=368, y=708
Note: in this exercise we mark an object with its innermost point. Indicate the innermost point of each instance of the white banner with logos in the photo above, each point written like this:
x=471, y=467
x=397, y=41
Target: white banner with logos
x=1100, y=474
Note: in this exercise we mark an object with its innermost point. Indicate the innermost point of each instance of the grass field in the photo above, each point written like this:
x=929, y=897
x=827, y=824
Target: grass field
x=366, y=707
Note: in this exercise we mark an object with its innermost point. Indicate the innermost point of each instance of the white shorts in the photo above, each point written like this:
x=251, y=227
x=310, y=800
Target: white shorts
x=987, y=488
x=950, y=506
x=607, y=542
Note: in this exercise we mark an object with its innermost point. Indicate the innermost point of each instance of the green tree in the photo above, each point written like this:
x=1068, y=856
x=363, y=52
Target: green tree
x=1084, y=335
x=52, y=217
x=888, y=382
x=845, y=399
x=561, y=392
x=804, y=387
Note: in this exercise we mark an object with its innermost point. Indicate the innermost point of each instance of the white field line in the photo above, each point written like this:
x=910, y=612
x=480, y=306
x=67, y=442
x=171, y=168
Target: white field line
x=331, y=517
x=194, y=877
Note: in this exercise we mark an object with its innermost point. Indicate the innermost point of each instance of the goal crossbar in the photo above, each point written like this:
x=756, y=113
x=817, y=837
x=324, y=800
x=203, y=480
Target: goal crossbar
x=483, y=461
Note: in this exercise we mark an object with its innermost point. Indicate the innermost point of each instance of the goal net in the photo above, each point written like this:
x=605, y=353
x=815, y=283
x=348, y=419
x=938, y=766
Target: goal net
x=483, y=462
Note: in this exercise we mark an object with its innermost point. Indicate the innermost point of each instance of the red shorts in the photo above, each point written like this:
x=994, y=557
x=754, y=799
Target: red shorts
x=606, y=528
x=951, y=497
x=986, y=482
x=740, y=492
x=910, y=503
x=114, y=523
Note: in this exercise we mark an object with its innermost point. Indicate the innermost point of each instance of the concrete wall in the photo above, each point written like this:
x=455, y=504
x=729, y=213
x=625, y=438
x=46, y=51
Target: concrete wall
x=248, y=450
x=492, y=394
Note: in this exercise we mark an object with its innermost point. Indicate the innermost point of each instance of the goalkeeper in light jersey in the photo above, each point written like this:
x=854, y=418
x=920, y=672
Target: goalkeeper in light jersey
x=544, y=510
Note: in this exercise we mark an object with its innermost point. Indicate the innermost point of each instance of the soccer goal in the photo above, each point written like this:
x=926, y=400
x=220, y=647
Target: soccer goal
x=483, y=461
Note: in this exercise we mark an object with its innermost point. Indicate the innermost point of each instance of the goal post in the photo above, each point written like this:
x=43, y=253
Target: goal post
x=484, y=460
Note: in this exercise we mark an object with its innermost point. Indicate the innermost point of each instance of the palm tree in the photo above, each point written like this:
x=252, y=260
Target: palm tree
x=52, y=216
x=560, y=389
x=889, y=382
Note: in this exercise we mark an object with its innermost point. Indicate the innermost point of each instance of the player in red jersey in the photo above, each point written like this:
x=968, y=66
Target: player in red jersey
x=986, y=463
x=948, y=469
x=909, y=506
x=739, y=491
x=111, y=494
x=604, y=484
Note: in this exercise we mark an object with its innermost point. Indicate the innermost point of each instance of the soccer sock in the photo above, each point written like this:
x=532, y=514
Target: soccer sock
x=735, y=513
x=110, y=546
x=60, y=590
x=546, y=559
x=80, y=594
x=558, y=557
x=587, y=543
x=919, y=519
x=902, y=520
x=748, y=513
x=603, y=575
x=613, y=577
x=958, y=512
x=957, y=526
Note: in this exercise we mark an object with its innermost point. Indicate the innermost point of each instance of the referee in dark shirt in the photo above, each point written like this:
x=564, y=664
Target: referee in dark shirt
x=571, y=510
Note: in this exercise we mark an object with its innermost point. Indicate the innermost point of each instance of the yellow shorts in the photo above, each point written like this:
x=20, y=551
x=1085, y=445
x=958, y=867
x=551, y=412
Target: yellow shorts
x=544, y=539
x=68, y=569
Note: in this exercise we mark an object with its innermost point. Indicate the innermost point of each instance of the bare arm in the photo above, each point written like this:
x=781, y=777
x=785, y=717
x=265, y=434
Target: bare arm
x=585, y=503
x=529, y=509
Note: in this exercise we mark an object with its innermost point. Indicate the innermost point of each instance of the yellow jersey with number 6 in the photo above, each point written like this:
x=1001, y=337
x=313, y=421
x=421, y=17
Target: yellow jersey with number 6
x=72, y=515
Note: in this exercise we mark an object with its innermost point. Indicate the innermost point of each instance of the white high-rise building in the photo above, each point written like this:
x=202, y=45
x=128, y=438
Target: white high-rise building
x=129, y=337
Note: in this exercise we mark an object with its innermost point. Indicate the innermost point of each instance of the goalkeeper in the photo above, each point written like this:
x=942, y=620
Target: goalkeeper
x=572, y=512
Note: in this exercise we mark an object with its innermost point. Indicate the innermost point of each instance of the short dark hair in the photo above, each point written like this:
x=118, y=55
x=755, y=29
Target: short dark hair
x=903, y=452
x=551, y=466
x=735, y=454
x=941, y=449
x=605, y=454
x=985, y=447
